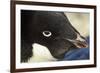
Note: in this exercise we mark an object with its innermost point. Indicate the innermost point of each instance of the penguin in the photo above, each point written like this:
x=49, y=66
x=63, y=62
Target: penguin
x=51, y=32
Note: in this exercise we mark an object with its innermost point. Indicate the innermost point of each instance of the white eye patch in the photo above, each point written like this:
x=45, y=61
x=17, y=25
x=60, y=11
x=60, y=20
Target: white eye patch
x=47, y=33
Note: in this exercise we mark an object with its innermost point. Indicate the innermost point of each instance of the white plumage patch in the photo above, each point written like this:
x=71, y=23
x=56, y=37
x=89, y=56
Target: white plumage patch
x=41, y=54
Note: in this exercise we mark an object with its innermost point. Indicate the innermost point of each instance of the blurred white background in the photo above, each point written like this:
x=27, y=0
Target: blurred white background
x=5, y=36
x=80, y=21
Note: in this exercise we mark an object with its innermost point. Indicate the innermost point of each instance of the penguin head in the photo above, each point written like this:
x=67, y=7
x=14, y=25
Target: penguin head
x=53, y=30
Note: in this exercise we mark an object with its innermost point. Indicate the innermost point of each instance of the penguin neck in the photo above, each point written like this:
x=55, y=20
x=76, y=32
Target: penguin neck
x=41, y=54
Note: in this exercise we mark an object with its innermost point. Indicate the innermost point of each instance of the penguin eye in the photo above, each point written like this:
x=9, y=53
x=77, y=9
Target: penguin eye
x=47, y=33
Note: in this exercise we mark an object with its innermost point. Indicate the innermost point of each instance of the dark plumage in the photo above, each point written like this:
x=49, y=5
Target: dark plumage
x=50, y=29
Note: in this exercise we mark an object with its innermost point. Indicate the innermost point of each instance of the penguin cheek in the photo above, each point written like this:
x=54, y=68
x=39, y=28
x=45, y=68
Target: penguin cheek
x=59, y=48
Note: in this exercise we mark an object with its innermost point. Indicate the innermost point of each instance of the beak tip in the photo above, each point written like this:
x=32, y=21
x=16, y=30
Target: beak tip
x=81, y=44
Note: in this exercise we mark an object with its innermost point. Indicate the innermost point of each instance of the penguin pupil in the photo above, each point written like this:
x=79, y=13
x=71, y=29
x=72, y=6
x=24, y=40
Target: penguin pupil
x=46, y=32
